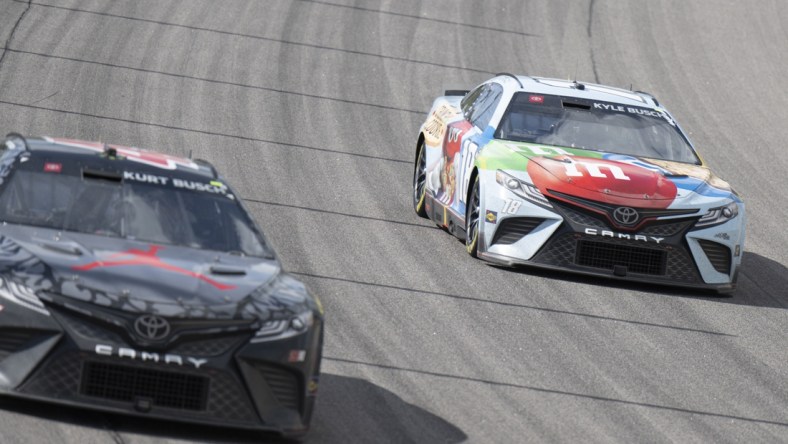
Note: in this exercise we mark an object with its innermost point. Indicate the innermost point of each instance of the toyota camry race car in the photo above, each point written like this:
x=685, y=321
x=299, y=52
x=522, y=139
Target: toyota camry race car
x=580, y=177
x=135, y=282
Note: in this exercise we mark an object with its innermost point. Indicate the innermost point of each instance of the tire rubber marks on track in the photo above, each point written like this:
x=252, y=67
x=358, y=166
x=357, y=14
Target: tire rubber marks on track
x=355, y=216
x=257, y=37
x=419, y=17
x=207, y=80
x=199, y=131
x=509, y=304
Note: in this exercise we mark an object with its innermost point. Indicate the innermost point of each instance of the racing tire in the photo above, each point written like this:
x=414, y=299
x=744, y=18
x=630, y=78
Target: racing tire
x=473, y=219
x=420, y=181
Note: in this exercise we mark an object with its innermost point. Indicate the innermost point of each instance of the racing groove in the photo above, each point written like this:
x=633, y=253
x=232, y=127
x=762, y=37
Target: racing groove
x=311, y=109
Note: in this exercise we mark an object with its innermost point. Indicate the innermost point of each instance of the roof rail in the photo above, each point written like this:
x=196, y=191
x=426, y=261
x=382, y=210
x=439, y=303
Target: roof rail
x=205, y=163
x=10, y=137
x=643, y=93
x=506, y=74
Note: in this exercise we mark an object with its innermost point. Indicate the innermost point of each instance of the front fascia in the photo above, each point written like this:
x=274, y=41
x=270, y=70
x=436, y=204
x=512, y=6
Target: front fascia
x=693, y=194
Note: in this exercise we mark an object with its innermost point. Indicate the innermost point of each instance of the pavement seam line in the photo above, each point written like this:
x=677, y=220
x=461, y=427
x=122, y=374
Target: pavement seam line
x=267, y=39
x=560, y=392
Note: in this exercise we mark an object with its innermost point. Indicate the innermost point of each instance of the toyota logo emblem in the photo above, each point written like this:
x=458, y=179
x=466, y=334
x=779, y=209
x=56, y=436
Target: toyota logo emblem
x=626, y=215
x=152, y=327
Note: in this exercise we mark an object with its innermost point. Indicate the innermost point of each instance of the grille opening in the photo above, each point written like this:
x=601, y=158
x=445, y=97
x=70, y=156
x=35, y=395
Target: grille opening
x=283, y=383
x=608, y=256
x=668, y=228
x=201, y=346
x=513, y=229
x=719, y=255
x=163, y=388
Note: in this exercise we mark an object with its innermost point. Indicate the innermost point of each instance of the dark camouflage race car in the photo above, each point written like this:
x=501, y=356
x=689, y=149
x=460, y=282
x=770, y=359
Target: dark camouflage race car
x=135, y=282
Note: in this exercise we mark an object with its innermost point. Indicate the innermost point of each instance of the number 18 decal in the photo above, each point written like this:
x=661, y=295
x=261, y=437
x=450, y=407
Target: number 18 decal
x=510, y=206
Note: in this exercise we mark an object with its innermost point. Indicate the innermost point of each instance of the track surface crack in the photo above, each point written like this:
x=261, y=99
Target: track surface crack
x=13, y=31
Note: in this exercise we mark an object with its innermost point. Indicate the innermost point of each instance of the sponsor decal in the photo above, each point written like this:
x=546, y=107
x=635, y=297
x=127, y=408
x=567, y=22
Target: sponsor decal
x=510, y=206
x=697, y=172
x=312, y=386
x=296, y=356
x=166, y=358
x=606, y=170
x=491, y=217
x=435, y=128
x=536, y=99
x=609, y=181
x=135, y=257
x=724, y=236
x=540, y=150
x=53, y=167
x=450, y=162
x=636, y=237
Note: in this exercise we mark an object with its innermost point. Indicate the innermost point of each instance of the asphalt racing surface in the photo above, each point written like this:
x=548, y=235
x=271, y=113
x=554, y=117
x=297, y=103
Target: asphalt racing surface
x=311, y=110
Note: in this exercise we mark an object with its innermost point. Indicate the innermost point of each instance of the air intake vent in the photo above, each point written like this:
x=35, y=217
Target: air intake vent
x=607, y=256
x=163, y=388
x=513, y=229
x=283, y=384
x=14, y=339
x=719, y=255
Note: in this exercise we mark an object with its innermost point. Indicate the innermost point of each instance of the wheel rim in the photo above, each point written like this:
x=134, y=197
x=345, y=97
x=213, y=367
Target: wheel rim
x=419, y=177
x=473, y=214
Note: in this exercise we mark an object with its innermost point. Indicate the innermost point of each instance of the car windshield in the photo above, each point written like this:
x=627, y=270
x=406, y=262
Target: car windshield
x=168, y=210
x=593, y=125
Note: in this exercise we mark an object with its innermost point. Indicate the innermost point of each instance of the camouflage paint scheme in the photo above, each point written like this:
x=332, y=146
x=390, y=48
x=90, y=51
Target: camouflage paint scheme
x=78, y=296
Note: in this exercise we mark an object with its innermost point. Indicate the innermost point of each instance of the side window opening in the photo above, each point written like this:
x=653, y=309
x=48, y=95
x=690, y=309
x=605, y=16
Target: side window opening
x=487, y=103
x=468, y=102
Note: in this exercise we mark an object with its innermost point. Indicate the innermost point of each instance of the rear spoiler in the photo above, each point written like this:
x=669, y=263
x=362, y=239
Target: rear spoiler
x=455, y=92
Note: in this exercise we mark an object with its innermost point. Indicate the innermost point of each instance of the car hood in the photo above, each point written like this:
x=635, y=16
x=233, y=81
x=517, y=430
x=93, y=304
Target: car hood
x=140, y=276
x=615, y=178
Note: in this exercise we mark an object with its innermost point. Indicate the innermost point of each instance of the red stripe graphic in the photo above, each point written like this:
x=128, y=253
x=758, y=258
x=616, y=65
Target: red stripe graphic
x=148, y=258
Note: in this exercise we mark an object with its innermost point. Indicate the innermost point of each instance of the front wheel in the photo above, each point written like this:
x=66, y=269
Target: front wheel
x=420, y=182
x=473, y=219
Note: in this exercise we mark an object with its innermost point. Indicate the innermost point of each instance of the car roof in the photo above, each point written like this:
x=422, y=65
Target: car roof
x=570, y=88
x=124, y=158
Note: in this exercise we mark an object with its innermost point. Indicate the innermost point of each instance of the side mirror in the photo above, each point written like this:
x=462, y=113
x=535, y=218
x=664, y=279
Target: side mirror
x=14, y=140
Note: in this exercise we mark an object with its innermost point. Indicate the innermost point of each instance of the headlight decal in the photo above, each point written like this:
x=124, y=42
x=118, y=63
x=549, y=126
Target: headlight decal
x=523, y=189
x=275, y=329
x=718, y=215
x=21, y=295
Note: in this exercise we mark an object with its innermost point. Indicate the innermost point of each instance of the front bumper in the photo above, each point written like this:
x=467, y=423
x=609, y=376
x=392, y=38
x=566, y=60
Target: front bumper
x=668, y=251
x=205, y=377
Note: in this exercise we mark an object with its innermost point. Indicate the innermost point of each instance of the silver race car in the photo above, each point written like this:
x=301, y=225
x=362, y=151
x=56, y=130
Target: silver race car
x=580, y=177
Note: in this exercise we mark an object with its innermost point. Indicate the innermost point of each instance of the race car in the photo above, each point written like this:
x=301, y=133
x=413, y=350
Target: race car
x=136, y=283
x=580, y=177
